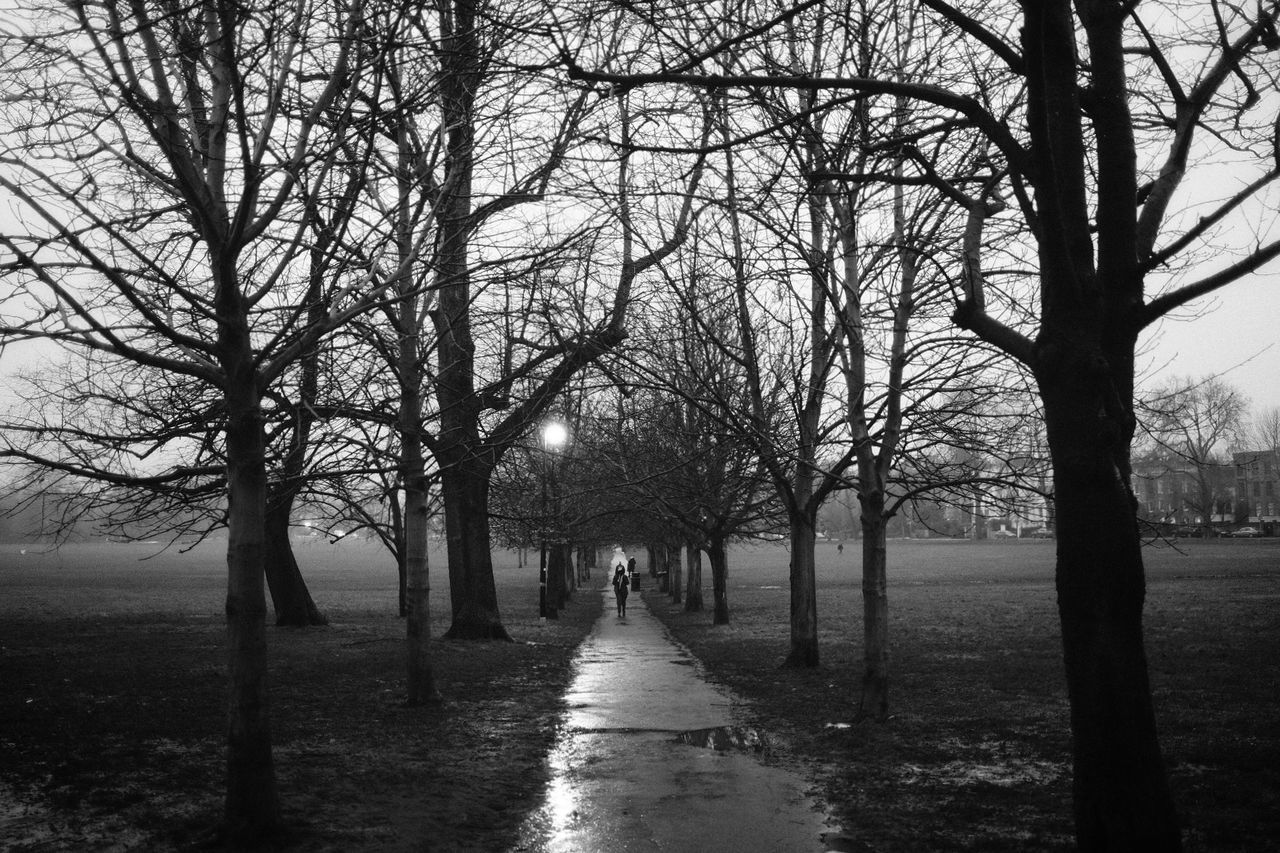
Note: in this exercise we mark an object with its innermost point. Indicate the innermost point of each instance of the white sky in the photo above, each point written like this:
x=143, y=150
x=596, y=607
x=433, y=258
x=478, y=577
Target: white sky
x=1236, y=335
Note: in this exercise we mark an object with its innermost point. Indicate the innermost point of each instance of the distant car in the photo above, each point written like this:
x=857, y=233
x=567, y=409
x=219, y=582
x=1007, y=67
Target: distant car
x=1004, y=533
x=1043, y=533
x=1245, y=533
x=1187, y=530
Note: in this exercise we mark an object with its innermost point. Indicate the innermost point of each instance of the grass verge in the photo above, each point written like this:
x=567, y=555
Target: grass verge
x=976, y=755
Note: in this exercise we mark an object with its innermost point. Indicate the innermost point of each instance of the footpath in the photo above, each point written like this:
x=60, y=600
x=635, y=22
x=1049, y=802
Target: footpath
x=637, y=768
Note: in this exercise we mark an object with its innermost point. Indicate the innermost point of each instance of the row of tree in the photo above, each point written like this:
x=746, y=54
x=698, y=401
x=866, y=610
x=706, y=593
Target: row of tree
x=349, y=255
x=1083, y=121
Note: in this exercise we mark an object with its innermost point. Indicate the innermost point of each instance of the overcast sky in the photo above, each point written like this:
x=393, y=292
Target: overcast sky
x=1236, y=334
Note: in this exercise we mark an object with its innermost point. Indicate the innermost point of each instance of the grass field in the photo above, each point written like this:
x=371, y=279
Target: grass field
x=112, y=694
x=113, y=691
x=976, y=756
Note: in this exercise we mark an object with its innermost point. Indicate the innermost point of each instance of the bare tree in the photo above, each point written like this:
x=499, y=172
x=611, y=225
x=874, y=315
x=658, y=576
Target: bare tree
x=1093, y=141
x=164, y=162
x=1264, y=430
x=1190, y=423
x=155, y=414
x=677, y=458
x=487, y=398
x=878, y=353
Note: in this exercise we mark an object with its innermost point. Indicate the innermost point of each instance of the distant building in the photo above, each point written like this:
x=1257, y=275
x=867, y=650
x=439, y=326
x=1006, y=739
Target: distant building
x=1170, y=491
x=1257, y=475
x=1022, y=506
x=1026, y=510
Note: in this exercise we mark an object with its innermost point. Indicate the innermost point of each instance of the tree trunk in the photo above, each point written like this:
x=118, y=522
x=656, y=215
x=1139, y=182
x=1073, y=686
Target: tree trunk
x=402, y=571
x=252, y=807
x=874, y=702
x=555, y=579
x=566, y=571
x=290, y=597
x=465, y=467
x=472, y=591
x=397, y=548
x=1121, y=793
x=414, y=521
x=804, y=595
x=693, y=591
x=676, y=567
x=421, y=682
x=289, y=594
x=1084, y=367
x=719, y=583
x=546, y=605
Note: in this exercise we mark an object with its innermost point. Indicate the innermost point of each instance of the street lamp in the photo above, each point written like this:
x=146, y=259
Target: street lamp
x=554, y=438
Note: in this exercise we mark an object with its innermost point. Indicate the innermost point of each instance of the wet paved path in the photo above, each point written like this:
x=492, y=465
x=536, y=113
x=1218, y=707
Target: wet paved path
x=622, y=781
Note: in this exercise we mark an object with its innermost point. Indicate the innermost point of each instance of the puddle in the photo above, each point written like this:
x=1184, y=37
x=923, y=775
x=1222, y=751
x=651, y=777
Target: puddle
x=725, y=738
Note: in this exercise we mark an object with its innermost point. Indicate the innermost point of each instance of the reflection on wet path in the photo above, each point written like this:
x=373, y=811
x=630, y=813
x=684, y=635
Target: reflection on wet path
x=648, y=760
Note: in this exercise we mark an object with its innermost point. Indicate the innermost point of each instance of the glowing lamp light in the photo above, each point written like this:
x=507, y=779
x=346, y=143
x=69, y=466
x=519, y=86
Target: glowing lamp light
x=554, y=435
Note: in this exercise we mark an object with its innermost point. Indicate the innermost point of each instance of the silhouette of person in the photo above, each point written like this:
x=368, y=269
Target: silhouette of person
x=621, y=581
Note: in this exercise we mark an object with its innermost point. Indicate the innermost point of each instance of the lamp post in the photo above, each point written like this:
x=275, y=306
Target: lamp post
x=554, y=437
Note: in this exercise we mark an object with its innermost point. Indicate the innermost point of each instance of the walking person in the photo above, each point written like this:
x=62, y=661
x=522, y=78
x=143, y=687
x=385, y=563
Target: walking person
x=621, y=580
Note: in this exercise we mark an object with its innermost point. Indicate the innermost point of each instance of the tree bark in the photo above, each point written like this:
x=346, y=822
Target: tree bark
x=1122, y=799
x=398, y=546
x=693, y=590
x=252, y=806
x=472, y=591
x=289, y=594
x=421, y=686
x=719, y=583
x=464, y=475
x=546, y=603
x=420, y=683
x=804, y=595
x=874, y=700
x=676, y=580
x=555, y=579
x=1091, y=289
x=566, y=564
x=290, y=597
